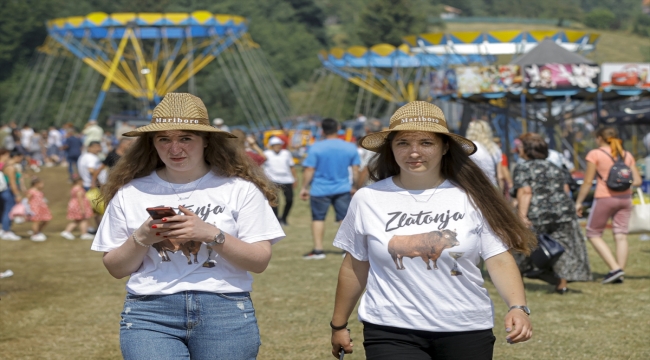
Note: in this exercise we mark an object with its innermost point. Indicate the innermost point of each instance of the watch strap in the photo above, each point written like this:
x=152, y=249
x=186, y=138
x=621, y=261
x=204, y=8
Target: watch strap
x=523, y=308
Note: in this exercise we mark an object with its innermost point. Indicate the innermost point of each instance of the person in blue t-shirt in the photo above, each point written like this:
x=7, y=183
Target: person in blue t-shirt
x=72, y=146
x=327, y=170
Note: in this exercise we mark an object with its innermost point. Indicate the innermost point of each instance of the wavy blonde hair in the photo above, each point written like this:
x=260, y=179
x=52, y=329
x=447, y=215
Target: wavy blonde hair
x=480, y=131
x=223, y=154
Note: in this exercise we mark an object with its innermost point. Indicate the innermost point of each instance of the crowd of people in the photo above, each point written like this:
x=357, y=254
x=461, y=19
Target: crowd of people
x=421, y=210
x=87, y=154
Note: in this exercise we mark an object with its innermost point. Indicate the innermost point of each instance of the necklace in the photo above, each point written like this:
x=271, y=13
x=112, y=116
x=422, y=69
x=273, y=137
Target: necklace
x=174, y=190
x=401, y=184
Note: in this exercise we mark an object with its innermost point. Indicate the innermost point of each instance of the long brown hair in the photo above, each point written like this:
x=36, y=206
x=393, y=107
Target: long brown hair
x=223, y=154
x=457, y=167
x=610, y=136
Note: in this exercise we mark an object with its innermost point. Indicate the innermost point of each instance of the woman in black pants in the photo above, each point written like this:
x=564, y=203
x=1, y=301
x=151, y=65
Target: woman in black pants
x=413, y=242
x=279, y=169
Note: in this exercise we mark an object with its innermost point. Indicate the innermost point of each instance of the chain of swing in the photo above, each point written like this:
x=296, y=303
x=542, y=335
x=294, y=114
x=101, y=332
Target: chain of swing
x=244, y=65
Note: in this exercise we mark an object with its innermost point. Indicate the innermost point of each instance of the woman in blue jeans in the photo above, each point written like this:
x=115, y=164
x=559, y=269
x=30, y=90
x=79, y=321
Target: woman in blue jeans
x=188, y=292
x=12, y=194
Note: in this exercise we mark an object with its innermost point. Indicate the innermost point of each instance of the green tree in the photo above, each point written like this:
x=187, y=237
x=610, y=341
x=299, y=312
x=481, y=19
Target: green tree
x=387, y=21
x=600, y=18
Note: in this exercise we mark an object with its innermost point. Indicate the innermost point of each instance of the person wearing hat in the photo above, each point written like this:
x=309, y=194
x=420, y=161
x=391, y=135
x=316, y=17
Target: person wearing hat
x=279, y=167
x=188, y=291
x=413, y=241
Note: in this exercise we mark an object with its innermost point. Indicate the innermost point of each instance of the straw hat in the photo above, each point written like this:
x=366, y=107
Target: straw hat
x=179, y=111
x=416, y=116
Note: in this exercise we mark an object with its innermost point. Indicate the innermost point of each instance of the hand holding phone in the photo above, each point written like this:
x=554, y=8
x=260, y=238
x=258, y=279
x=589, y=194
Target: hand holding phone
x=160, y=212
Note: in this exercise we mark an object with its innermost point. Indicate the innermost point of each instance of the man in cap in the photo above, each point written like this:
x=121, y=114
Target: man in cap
x=219, y=124
x=279, y=168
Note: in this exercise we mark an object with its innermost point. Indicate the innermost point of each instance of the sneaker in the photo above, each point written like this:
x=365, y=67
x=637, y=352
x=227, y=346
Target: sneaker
x=283, y=222
x=87, y=236
x=38, y=237
x=612, y=275
x=619, y=280
x=314, y=255
x=67, y=235
x=6, y=274
x=10, y=236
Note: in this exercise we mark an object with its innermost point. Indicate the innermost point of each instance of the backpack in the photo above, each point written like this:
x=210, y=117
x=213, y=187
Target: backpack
x=620, y=175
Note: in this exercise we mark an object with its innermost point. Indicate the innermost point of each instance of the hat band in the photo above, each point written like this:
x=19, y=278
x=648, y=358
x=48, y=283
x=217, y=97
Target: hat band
x=179, y=120
x=418, y=120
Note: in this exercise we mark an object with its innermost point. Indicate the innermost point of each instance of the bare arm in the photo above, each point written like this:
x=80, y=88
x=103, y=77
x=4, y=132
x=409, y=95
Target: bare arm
x=353, y=277
x=506, y=278
x=590, y=174
x=95, y=174
x=636, y=177
x=355, y=178
x=524, y=194
x=10, y=171
x=307, y=177
x=295, y=177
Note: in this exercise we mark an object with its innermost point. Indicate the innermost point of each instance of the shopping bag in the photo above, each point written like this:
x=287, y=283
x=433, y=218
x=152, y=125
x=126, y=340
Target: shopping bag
x=18, y=213
x=547, y=253
x=640, y=218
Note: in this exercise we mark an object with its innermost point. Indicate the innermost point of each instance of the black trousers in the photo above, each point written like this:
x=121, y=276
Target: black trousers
x=389, y=343
x=287, y=190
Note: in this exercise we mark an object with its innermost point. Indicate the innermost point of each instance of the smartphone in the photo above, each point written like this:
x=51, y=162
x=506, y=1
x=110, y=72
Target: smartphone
x=160, y=212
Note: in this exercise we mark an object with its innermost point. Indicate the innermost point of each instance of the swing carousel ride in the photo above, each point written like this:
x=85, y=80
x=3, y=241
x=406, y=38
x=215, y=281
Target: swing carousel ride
x=148, y=55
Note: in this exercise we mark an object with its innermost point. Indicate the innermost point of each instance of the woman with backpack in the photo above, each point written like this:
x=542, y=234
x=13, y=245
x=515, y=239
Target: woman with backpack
x=615, y=172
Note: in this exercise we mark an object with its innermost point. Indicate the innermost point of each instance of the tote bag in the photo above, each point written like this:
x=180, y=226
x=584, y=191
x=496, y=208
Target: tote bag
x=640, y=218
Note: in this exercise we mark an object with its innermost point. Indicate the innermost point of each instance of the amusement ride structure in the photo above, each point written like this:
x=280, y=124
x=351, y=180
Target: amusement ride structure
x=150, y=54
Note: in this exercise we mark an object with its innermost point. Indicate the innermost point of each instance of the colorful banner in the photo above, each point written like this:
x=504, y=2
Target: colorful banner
x=625, y=75
x=562, y=76
x=489, y=79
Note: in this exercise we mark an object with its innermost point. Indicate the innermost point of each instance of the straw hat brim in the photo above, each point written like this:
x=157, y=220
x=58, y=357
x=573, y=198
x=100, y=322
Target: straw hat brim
x=169, y=127
x=374, y=141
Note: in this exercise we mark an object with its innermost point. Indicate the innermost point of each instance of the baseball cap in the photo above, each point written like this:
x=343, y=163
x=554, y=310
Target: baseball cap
x=275, y=141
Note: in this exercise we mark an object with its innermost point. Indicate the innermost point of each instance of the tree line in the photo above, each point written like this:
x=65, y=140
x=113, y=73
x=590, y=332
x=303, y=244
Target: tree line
x=291, y=32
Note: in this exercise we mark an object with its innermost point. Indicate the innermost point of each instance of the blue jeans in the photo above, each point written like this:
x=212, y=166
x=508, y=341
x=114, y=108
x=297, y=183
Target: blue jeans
x=8, y=202
x=72, y=165
x=189, y=324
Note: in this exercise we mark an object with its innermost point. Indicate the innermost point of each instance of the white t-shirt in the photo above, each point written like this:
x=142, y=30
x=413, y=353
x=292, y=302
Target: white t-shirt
x=278, y=166
x=26, y=137
x=417, y=298
x=487, y=162
x=234, y=205
x=54, y=138
x=557, y=159
x=86, y=162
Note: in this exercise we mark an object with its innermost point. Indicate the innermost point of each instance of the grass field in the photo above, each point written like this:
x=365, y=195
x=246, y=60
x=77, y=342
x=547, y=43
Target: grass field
x=62, y=304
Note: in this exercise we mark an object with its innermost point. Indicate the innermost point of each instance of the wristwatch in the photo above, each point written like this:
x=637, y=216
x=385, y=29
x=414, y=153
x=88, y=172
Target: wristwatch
x=220, y=238
x=523, y=308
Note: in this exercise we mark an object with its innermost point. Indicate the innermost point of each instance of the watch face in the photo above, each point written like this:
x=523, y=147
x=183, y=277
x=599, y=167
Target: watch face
x=220, y=238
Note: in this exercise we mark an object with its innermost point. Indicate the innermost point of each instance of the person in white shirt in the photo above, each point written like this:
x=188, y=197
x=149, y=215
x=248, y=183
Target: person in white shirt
x=414, y=240
x=92, y=132
x=279, y=167
x=26, y=134
x=188, y=291
x=488, y=153
x=88, y=163
x=54, y=143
